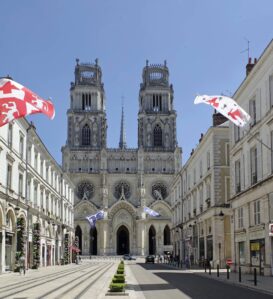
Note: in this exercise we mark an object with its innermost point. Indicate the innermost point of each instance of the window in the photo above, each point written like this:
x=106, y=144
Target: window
x=252, y=111
x=36, y=161
x=29, y=154
x=20, y=187
x=157, y=102
x=42, y=200
x=271, y=90
x=236, y=133
x=42, y=168
x=201, y=169
x=10, y=135
x=257, y=212
x=208, y=160
x=227, y=154
x=157, y=136
x=253, y=165
x=271, y=134
x=86, y=135
x=237, y=176
x=21, y=146
x=28, y=191
x=9, y=176
x=241, y=253
x=240, y=217
x=35, y=195
x=86, y=102
x=47, y=170
x=194, y=176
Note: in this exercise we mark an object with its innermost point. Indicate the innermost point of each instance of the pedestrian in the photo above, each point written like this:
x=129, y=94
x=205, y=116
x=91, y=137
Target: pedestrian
x=22, y=265
x=187, y=262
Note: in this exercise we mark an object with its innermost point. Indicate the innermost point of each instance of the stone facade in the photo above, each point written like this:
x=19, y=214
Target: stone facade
x=251, y=169
x=122, y=181
x=200, y=194
x=35, y=216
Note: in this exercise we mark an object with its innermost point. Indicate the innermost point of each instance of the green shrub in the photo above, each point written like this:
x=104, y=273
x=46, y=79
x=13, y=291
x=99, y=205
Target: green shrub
x=121, y=262
x=117, y=287
x=120, y=271
x=119, y=276
x=118, y=279
x=121, y=267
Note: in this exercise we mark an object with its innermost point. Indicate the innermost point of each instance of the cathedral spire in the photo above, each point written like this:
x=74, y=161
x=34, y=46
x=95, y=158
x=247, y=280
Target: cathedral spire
x=122, y=139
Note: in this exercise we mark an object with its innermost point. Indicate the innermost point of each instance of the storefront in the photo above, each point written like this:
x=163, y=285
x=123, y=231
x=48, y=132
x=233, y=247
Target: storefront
x=257, y=254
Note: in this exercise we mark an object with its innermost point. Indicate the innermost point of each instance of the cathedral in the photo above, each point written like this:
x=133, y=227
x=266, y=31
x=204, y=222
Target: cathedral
x=122, y=180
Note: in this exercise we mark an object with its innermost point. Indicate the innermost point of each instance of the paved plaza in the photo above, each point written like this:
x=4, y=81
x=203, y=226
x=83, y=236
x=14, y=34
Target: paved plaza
x=91, y=279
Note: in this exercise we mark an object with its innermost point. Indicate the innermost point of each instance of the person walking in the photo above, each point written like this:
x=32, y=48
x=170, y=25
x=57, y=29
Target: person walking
x=22, y=265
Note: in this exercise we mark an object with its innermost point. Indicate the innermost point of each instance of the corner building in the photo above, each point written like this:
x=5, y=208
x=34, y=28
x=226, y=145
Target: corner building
x=122, y=180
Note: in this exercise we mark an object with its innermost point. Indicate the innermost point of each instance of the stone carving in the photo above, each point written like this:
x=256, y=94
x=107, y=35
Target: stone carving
x=85, y=190
x=95, y=133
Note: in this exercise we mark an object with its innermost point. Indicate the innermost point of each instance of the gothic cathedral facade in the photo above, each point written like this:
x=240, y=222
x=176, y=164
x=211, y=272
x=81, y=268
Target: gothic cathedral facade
x=121, y=181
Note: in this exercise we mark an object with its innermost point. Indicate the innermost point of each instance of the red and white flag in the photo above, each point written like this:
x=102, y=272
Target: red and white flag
x=17, y=101
x=226, y=106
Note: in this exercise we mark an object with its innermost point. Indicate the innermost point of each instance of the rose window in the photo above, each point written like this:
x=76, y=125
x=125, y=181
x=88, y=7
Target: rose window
x=85, y=190
x=122, y=189
x=159, y=191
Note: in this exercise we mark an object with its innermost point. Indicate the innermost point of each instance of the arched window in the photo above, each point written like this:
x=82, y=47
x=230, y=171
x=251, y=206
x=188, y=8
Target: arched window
x=86, y=135
x=157, y=136
x=167, y=235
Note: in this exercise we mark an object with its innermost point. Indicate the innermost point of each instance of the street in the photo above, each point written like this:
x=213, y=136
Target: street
x=158, y=281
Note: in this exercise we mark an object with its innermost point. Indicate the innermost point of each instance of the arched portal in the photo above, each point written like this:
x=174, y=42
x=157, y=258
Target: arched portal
x=93, y=241
x=123, y=240
x=78, y=233
x=152, y=240
x=167, y=235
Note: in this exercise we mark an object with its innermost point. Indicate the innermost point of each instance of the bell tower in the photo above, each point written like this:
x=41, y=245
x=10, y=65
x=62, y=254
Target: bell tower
x=86, y=116
x=156, y=116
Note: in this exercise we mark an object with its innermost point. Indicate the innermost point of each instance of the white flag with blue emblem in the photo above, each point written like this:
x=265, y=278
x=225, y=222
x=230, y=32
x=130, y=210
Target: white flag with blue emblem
x=151, y=212
x=93, y=218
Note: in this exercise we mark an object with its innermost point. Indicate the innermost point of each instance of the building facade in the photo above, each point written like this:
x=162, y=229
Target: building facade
x=252, y=168
x=122, y=180
x=200, y=200
x=36, y=201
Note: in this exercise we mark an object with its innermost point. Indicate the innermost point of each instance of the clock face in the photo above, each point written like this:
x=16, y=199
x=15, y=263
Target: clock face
x=159, y=191
x=85, y=190
x=122, y=189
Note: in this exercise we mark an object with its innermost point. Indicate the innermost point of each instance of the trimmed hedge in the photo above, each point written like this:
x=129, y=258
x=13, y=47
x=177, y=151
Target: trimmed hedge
x=117, y=287
x=120, y=271
x=118, y=279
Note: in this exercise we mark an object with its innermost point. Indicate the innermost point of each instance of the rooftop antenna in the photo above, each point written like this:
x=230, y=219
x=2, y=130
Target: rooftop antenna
x=247, y=49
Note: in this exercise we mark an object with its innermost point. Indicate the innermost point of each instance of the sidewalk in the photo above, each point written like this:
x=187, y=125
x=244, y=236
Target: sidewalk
x=264, y=283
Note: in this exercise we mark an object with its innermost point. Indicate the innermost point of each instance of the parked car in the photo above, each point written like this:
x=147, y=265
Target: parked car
x=128, y=257
x=150, y=259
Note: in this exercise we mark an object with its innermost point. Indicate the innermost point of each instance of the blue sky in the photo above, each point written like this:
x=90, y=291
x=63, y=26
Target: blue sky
x=201, y=40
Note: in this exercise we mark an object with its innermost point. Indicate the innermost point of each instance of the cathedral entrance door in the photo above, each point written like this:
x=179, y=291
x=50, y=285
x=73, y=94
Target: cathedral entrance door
x=123, y=241
x=93, y=241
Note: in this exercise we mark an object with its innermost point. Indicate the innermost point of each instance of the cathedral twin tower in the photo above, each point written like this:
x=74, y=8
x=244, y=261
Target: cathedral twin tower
x=121, y=181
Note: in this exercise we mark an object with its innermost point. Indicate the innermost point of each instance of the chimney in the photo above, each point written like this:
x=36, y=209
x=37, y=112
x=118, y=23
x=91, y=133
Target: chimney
x=250, y=65
x=218, y=119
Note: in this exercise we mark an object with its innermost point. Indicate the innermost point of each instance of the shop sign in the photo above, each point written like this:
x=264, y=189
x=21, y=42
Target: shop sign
x=254, y=246
x=271, y=229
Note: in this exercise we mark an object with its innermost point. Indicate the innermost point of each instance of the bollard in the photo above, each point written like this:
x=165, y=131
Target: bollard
x=240, y=275
x=205, y=268
x=217, y=270
x=209, y=269
x=255, y=276
x=227, y=272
